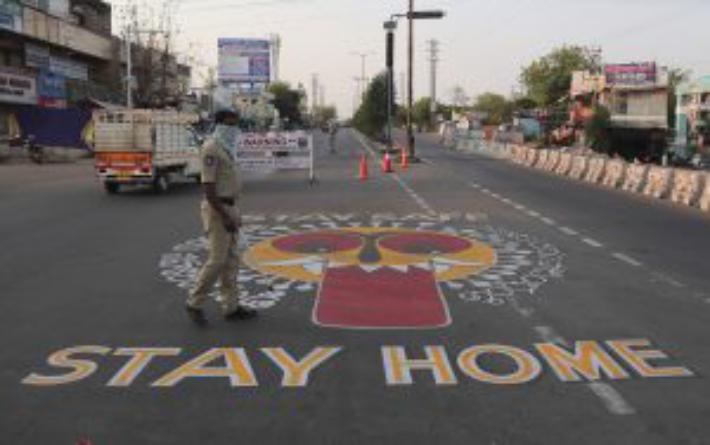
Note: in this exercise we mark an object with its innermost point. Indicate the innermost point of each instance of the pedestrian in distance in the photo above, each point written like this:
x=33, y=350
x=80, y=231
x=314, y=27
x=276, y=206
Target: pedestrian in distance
x=221, y=220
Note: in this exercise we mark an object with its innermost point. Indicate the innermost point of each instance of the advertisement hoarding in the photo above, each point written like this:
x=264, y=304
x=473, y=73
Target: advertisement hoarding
x=244, y=60
x=631, y=74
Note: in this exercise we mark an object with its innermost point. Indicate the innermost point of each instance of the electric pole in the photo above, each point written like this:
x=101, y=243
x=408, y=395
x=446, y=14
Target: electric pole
x=315, y=90
x=433, y=60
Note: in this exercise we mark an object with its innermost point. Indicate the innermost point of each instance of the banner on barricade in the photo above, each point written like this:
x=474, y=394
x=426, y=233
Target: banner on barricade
x=275, y=151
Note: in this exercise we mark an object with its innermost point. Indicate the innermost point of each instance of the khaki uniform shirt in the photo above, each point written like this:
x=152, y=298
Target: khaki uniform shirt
x=220, y=169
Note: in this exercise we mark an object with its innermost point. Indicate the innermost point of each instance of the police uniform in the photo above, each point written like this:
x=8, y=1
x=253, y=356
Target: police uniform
x=222, y=263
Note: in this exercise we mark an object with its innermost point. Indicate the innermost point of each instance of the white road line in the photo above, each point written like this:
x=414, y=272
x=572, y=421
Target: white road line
x=568, y=231
x=533, y=213
x=520, y=207
x=613, y=401
x=666, y=279
x=548, y=221
x=627, y=259
x=496, y=195
x=550, y=336
x=592, y=242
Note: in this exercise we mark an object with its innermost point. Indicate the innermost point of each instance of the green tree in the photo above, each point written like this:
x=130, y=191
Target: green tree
x=548, y=79
x=323, y=115
x=597, y=130
x=496, y=107
x=421, y=112
x=371, y=117
x=287, y=101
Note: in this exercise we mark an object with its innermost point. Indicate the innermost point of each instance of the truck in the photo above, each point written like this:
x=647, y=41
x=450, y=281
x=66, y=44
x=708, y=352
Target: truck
x=153, y=147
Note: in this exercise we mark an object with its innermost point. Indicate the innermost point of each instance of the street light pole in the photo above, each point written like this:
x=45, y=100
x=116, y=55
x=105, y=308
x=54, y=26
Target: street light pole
x=390, y=26
x=410, y=87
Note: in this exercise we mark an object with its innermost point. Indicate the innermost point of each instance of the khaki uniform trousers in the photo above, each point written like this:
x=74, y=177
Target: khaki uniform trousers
x=222, y=262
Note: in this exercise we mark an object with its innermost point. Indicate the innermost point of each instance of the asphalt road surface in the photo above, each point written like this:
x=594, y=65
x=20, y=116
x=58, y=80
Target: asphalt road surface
x=464, y=300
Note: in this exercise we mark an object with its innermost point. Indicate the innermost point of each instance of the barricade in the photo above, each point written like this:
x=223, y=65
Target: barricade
x=542, y=159
x=518, y=152
x=687, y=186
x=704, y=202
x=531, y=155
x=565, y=164
x=553, y=158
x=659, y=183
x=635, y=178
x=579, y=167
x=615, y=173
x=595, y=172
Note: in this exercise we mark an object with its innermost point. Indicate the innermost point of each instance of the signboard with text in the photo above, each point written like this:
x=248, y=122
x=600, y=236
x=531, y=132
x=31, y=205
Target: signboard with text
x=17, y=87
x=631, y=74
x=244, y=60
x=275, y=151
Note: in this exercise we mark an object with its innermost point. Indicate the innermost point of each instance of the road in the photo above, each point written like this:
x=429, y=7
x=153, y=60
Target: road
x=464, y=300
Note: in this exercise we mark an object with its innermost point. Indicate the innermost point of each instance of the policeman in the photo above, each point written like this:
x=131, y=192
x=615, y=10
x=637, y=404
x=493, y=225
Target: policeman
x=221, y=220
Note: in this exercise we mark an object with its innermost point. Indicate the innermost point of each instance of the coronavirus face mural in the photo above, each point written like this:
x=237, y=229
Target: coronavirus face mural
x=377, y=271
x=374, y=277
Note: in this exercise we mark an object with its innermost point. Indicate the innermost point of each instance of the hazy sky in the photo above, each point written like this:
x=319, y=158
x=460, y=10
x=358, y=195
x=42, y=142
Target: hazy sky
x=484, y=43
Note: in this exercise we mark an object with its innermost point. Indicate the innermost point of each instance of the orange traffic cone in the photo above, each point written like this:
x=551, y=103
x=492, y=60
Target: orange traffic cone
x=387, y=164
x=363, y=168
x=405, y=160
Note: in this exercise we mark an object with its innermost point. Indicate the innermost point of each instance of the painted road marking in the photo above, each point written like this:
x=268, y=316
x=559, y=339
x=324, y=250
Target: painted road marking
x=612, y=399
x=592, y=242
x=568, y=231
x=533, y=213
x=627, y=259
x=568, y=364
x=548, y=221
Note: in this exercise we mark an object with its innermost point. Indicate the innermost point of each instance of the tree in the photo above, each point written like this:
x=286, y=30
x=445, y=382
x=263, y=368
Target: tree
x=495, y=106
x=597, y=130
x=371, y=117
x=421, y=112
x=324, y=114
x=548, y=79
x=287, y=101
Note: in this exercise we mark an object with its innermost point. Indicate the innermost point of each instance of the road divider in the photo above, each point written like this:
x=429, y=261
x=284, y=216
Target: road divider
x=565, y=164
x=615, y=173
x=553, y=159
x=595, y=172
x=705, y=198
x=579, y=167
x=635, y=178
x=542, y=159
x=687, y=187
x=659, y=183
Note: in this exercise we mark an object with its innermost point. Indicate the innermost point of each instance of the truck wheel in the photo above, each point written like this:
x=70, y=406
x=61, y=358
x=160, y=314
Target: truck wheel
x=112, y=188
x=162, y=184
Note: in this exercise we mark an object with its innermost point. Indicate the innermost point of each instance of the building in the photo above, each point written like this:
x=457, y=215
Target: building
x=693, y=114
x=60, y=54
x=636, y=95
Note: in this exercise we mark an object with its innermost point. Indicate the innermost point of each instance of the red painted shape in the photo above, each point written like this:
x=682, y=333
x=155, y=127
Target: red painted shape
x=351, y=297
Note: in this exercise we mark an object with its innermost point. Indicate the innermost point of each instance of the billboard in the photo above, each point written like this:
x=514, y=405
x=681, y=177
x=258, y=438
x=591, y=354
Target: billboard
x=631, y=74
x=275, y=151
x=244, y=60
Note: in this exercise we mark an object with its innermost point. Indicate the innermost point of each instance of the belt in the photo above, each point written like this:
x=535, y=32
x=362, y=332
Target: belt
x=227, y=201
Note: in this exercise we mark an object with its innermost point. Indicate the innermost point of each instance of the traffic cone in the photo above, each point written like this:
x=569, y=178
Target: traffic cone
x=387, y=164
x=363, y=168
x=405, y=160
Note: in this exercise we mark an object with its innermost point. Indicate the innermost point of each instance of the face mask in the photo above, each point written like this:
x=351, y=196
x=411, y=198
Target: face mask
x=226, y=138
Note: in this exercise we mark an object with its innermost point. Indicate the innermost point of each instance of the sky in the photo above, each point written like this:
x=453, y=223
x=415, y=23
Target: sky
x=484, y=43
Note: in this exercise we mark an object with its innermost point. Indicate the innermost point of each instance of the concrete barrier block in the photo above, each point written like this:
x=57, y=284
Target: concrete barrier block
x=553, y=159
x=531, y=157
x=704, y=202
x=579, y=167
x=659, y=182
x=615, y=173
x=596, y=170
x=564, y=165
x=687, y=186
x=542, y=159
x=635, y=178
